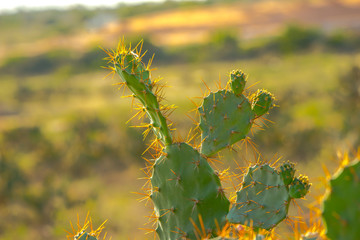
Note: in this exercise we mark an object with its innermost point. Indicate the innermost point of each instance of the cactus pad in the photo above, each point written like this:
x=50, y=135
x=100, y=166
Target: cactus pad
x=341, y=207
x=262, y=101
x=287, y=172
x=226, y=116
x=237, y=81
x=225, y=119
x=263, y=200
x=186, y=187
x=299, y=187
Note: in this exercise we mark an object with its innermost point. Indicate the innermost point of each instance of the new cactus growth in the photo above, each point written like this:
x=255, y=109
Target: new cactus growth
x=262, y=101
x=341, y=207
x=237, y=81
x=264, y=198
x=299, y=187
x=287, y=172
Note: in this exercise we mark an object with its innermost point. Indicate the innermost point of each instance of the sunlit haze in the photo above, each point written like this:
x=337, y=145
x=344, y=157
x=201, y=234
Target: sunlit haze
x=40, y=4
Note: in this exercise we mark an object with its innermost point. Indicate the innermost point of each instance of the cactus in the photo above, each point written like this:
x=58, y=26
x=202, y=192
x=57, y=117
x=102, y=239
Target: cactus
x=184, y=187
x=189, y=201
x=264, y=198
x=82, y=234
x=186, y=191
x=341, y=206
x=227, y=115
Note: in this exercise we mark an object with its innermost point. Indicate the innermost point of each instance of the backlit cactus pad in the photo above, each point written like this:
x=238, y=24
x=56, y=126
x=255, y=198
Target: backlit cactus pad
x=226, y=116
x=264, y=198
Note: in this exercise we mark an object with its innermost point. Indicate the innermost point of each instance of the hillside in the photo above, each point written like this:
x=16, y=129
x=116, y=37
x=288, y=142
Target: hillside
x=194, y=24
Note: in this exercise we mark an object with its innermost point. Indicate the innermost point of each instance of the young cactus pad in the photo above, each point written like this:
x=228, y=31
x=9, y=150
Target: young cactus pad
x=341, y=207
x=263, y=200
x=226, y=116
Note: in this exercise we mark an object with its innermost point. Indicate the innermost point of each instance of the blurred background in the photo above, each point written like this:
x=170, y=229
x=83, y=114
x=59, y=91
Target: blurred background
x=65, y=149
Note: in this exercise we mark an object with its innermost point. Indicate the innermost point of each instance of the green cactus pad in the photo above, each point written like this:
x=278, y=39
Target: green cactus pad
x=263, y=199
x=262, y=102
x=287, y=172
x=226, y=116
x=341, y=207
x=225, y=119
x=299, y=187
x=186, y=187
x=237, y=81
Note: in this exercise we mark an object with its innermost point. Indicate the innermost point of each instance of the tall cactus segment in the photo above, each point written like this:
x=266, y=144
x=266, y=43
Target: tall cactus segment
x=264, y=198
x=136, y=76
x=226, y=116
x=341, y=207
x=186, y=192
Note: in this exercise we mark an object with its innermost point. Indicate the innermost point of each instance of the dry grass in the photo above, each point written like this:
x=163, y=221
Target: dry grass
x=186, y=26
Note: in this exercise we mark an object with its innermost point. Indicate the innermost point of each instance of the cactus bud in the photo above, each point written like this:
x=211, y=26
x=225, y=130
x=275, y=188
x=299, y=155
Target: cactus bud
x=237, y=81
x=299, y=187
x=287, y=172
x=262, y=102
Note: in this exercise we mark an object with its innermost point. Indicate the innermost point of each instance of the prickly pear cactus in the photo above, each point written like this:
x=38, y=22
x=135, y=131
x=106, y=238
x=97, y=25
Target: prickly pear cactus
x=341, y=207
x=264, y=198
x=226, y=116
x=185, y=190
x=189, y=201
